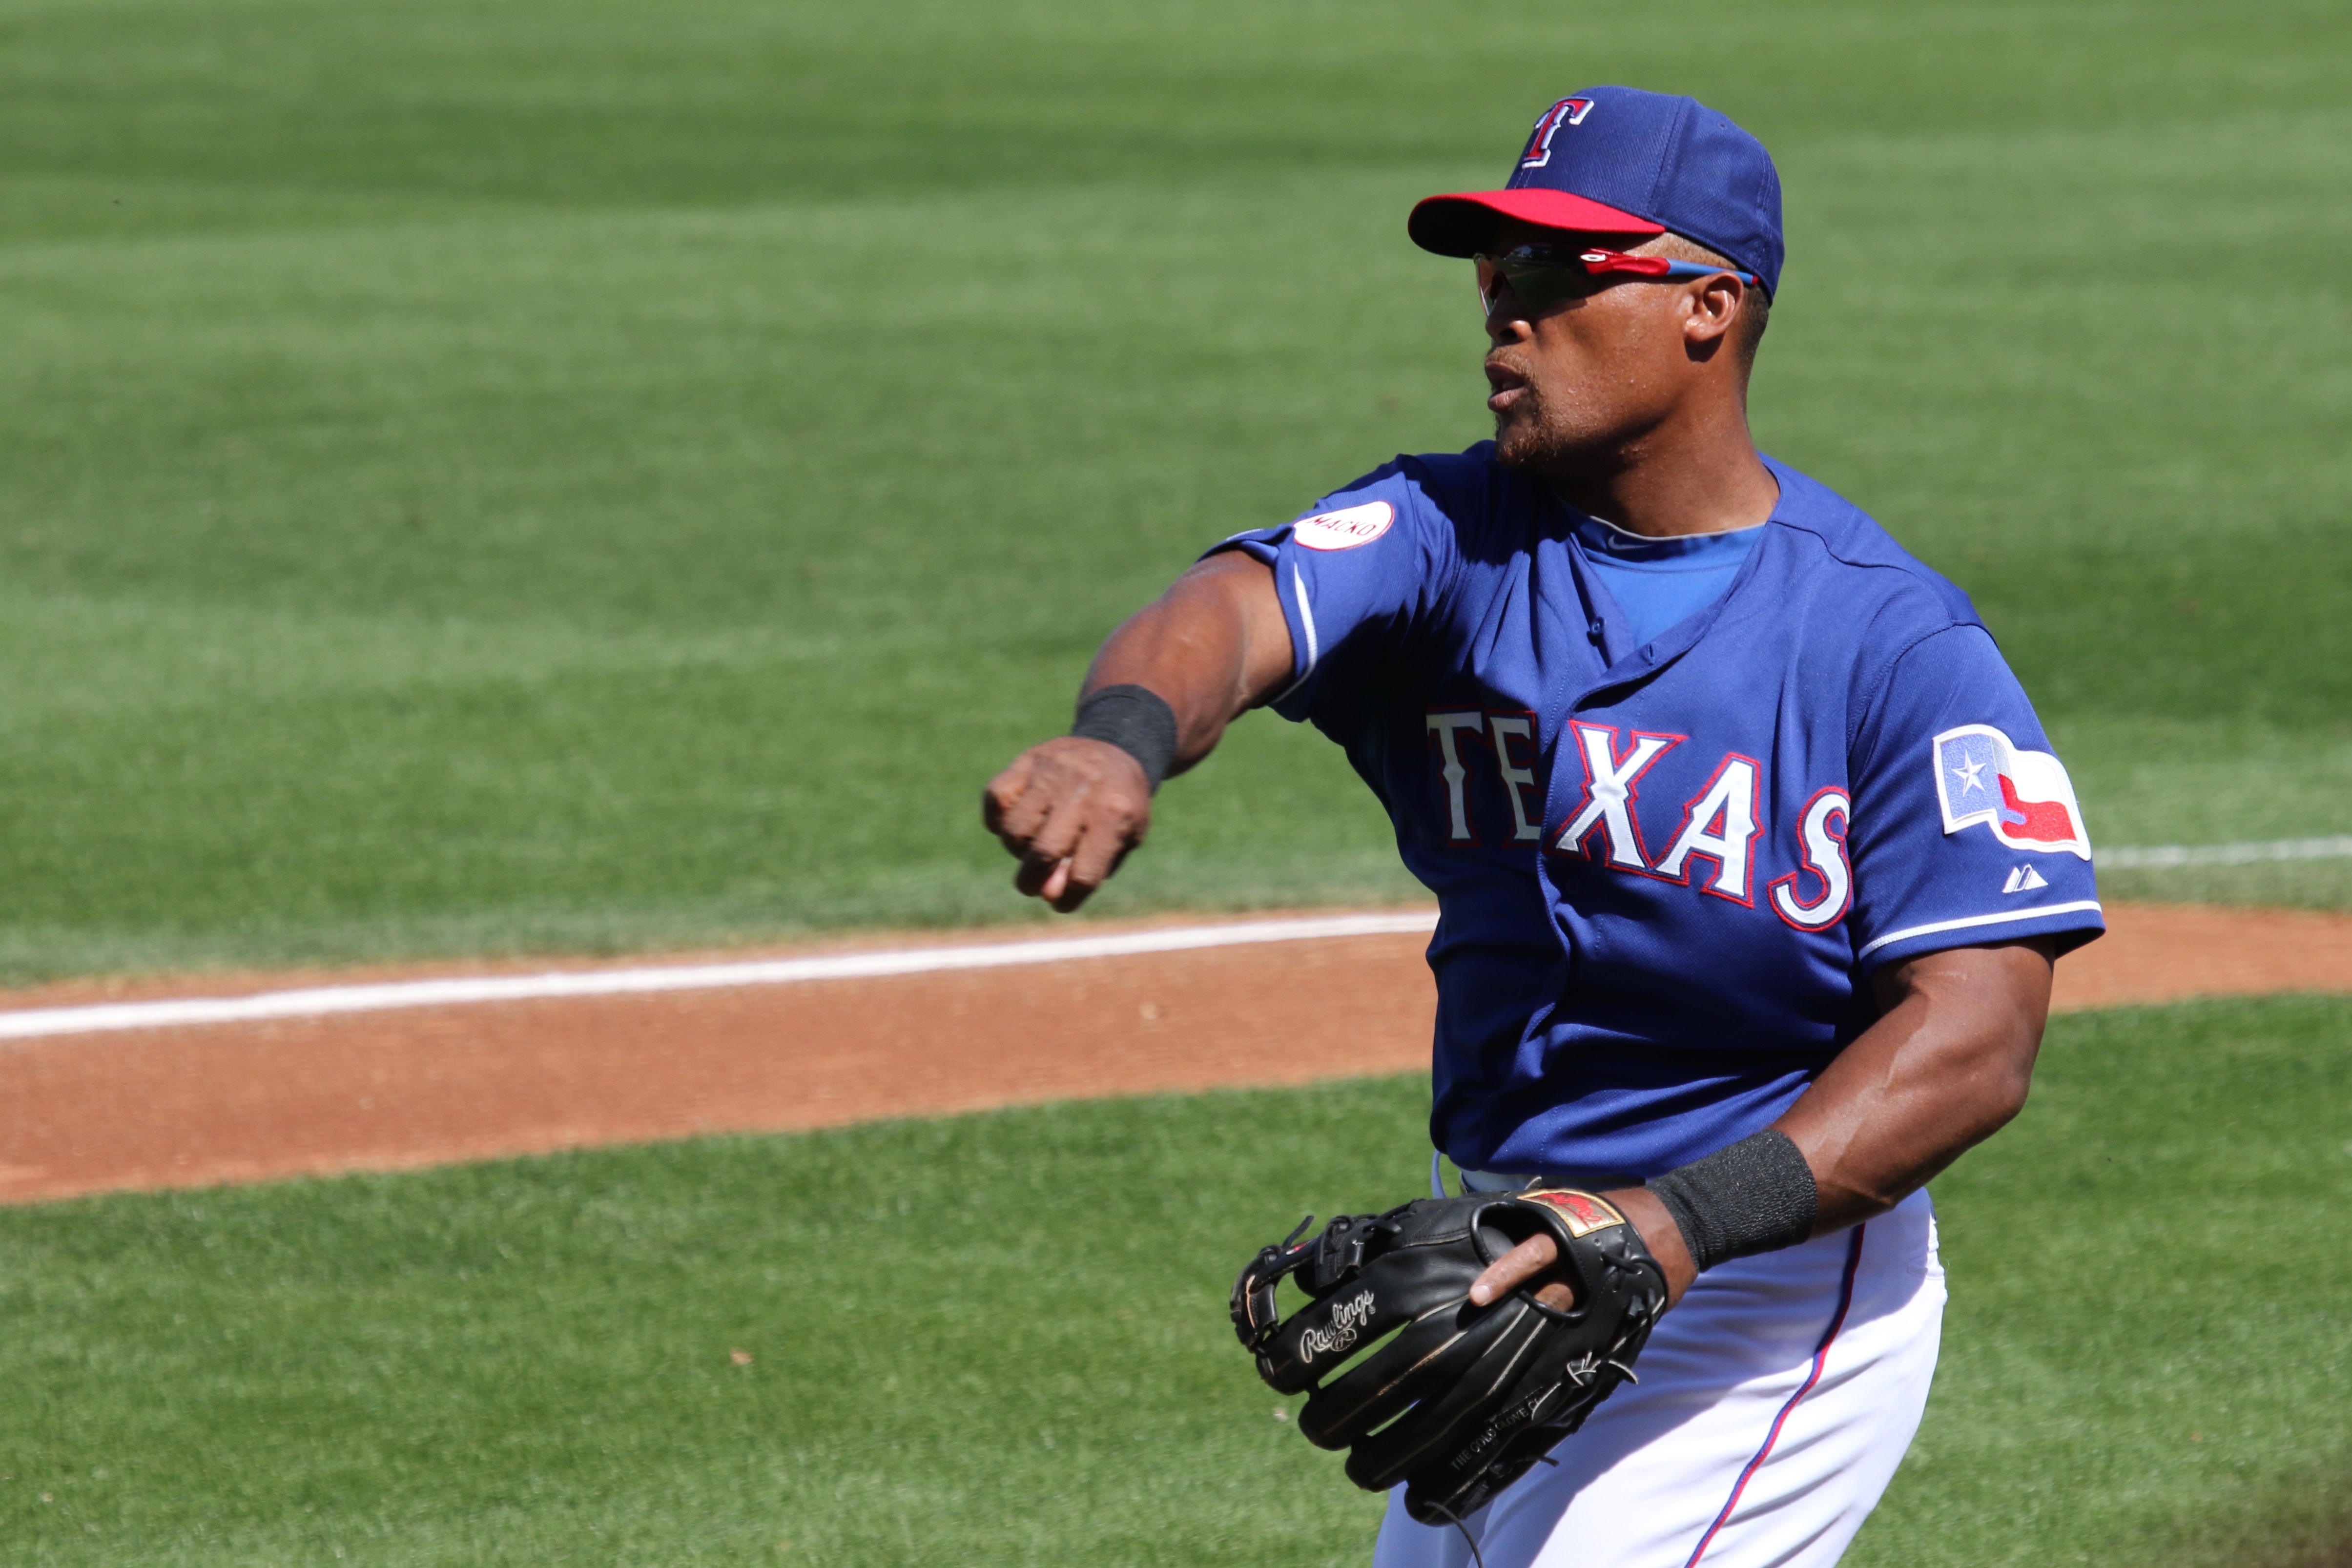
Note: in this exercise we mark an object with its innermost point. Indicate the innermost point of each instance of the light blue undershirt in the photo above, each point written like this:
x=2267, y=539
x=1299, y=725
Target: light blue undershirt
x=1660, y=582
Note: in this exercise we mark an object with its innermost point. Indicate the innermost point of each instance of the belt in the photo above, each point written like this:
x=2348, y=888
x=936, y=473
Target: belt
x=1499, y=1182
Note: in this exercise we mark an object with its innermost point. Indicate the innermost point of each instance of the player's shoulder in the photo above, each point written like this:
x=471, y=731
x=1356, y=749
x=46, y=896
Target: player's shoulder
x=1466, y=480
x=1460, y=488
x=1491, y=512
x=1458, y=506
x=1849, y=559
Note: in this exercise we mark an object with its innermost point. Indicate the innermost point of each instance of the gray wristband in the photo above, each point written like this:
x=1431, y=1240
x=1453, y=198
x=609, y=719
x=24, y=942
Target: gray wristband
x=1135, y=719
x=1757, y=1196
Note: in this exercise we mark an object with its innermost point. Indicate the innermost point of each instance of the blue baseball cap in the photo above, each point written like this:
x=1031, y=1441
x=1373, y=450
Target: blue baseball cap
x=1618, y=160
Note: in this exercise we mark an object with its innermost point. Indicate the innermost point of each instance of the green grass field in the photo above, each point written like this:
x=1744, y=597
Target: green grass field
x=502, y=474
x=498, y=474
x=1001, y=1339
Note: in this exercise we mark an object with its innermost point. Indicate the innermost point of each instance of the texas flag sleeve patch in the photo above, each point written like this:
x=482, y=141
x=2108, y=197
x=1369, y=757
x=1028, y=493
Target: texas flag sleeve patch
x=2025, y=797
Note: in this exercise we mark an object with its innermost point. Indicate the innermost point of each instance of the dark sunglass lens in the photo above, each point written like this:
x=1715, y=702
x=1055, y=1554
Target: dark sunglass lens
x=1541, y=288
x=1536, y=285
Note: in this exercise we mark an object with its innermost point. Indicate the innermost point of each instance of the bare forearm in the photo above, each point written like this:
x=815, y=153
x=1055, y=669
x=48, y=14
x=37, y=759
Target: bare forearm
x=1944, y=1068
x=1069, y=809
x=1212, y=647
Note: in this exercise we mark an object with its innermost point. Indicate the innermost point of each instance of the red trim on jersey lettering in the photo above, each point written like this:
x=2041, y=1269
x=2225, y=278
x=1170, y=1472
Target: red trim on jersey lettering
x=1633, y=798
x=1534, y=765
x=1806, y=864
x=1744, y=898
x=1445, y=799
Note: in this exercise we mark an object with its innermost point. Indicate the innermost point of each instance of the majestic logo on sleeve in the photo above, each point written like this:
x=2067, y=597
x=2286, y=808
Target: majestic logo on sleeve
x=1344, y=529
x=1567, y=111
x=2024, y=797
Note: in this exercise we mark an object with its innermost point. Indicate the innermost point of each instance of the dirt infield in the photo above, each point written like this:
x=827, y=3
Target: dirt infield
x=386, y=1090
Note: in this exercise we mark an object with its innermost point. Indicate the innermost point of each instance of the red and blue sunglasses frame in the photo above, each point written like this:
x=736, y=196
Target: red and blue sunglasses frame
x=1524, y=263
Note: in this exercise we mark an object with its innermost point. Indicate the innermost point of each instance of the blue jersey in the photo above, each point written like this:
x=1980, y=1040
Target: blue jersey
x=1665, y=865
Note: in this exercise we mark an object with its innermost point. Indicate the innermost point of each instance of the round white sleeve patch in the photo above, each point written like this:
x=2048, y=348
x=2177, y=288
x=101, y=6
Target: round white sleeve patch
x=1344, y=529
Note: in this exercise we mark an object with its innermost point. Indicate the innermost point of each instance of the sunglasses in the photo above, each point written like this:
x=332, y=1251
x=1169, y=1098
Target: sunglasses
x=1541, y=276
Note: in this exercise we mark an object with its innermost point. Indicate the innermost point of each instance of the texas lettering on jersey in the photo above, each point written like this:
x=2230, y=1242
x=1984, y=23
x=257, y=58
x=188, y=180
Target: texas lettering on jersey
x=1713, y=846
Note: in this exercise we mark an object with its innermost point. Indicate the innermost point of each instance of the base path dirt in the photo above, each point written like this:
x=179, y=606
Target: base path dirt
x=185, y=1105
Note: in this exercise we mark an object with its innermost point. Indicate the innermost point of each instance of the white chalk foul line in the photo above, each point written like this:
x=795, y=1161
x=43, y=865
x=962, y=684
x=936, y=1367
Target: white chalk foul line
x=2168, y=855
x=34, y=1023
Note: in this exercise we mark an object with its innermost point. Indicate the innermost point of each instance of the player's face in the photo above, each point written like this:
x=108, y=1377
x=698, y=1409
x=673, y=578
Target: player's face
x=1576, y=380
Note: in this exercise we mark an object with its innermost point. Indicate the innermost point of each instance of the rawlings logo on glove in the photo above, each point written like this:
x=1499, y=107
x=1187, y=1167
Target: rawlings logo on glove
x=1348, y=1321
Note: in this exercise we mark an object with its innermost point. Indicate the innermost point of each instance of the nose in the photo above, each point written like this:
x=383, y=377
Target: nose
x=1499, y=303
x=1505, y=322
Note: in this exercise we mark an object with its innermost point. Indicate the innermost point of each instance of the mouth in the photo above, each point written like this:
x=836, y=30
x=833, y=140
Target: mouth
x=1510, y=386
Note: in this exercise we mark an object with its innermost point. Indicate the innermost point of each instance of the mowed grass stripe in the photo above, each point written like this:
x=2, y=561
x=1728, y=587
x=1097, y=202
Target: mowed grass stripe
x=1002, y=1339
x=519, y=477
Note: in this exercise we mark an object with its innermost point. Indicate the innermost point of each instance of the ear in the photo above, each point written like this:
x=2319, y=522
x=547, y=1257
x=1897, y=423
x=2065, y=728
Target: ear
x=1711, y=305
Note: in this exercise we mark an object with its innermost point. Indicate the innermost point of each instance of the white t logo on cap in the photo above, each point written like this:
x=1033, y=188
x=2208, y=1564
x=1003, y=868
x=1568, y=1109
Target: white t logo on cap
x=1567, y=111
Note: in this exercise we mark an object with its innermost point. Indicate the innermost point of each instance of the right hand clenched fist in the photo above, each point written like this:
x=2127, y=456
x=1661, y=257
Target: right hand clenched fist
x=1068, y=810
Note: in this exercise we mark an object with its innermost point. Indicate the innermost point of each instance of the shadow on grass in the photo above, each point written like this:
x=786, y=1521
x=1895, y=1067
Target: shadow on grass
x=2303, y=1528
x=2333, y=1551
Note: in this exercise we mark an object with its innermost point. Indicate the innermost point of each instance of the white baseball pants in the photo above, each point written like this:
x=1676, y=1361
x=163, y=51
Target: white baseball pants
x=1775, y=1401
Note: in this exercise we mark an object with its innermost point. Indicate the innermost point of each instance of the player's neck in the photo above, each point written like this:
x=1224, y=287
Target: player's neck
x=1698, y=475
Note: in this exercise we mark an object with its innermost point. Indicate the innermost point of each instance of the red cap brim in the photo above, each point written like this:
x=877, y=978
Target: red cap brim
x=1464, y=224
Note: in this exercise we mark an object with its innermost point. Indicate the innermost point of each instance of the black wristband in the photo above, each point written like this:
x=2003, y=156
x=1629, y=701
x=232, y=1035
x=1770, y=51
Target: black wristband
x=1755, y=1196
x=1135, y=719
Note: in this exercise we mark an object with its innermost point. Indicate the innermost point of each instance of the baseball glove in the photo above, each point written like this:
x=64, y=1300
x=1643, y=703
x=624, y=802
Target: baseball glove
x=1460, y=1401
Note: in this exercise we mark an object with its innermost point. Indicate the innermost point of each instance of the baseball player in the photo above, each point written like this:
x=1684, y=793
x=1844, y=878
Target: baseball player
x=1751, y=856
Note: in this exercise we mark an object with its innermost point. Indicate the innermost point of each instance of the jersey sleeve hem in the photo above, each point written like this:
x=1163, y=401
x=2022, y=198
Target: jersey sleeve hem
x=1298, y=612
x=2072, y=923
x=1305, y=648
